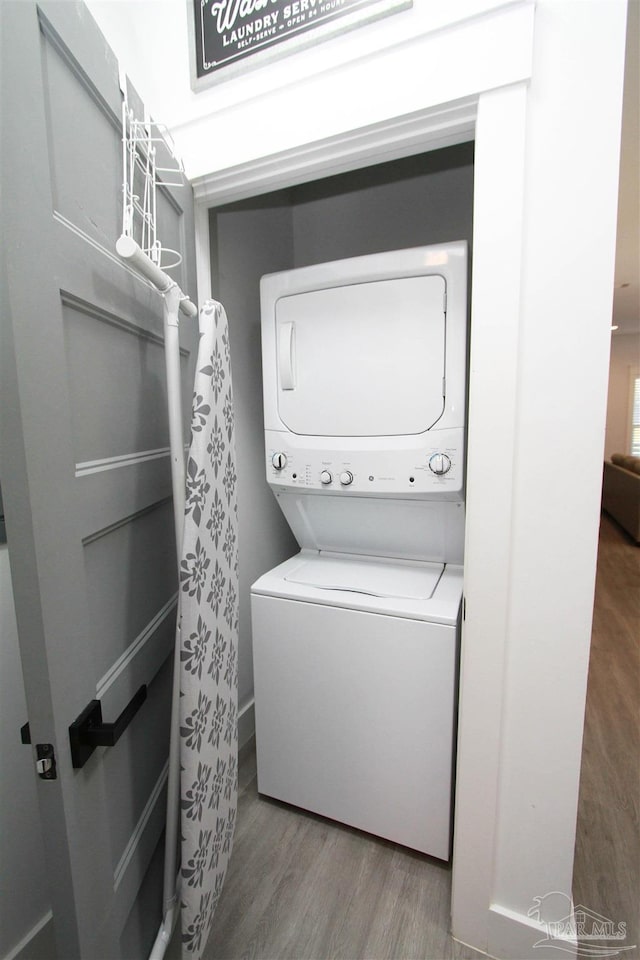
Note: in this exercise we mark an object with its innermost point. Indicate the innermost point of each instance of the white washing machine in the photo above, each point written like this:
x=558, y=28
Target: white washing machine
x=355, y=639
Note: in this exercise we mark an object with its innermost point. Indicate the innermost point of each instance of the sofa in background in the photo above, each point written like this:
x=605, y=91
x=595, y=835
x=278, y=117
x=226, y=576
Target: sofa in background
x=621, y=492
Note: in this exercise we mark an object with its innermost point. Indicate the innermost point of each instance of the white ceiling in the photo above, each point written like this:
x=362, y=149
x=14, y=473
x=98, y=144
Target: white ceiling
x=626, y=295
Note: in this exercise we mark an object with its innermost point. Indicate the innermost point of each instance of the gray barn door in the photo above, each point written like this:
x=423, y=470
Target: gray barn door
x=85, y=472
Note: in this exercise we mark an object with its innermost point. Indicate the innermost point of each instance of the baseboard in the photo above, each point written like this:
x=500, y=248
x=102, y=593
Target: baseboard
x=469, y=949
x=517, y=936
x=38, y=944
x=246, y=723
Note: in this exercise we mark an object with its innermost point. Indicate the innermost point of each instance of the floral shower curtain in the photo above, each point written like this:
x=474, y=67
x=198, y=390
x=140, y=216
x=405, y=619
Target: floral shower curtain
x=209, y=638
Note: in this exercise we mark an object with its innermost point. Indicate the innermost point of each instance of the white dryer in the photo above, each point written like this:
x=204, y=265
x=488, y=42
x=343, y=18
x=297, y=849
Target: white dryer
x=356, y=638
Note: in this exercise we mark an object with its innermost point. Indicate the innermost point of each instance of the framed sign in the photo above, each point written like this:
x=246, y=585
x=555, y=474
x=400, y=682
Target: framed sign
x=229, y=36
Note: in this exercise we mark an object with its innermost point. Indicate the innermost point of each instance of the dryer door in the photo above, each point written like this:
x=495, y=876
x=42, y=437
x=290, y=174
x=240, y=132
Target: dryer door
x=362, y=360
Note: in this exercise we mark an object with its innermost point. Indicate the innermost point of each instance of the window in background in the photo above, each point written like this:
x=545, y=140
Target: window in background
x=635, y=417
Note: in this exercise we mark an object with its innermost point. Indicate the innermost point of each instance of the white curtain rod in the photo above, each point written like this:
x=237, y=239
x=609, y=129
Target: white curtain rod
x=128, y=249
x=173, y=301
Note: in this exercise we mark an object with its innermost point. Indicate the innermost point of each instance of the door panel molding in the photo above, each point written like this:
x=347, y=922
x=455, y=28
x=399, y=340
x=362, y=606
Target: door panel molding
x=95, y=312
x=124, y=660
x=90, y=467
x=87, y=238
x=99, y=313
x=74, y=65
x=137, y=835
x=108, y=498
x=124, y=521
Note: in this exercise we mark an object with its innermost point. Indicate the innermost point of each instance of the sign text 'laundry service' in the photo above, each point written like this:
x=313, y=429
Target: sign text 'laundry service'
x=227, y=31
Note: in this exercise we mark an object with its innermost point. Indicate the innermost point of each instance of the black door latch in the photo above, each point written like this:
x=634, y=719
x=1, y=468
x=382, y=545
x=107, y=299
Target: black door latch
x=88, y=730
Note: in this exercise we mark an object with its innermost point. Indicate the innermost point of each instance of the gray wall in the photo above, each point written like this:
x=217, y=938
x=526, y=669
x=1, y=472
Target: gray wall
x=406, y=203
x=410, y=202
x=248, y=240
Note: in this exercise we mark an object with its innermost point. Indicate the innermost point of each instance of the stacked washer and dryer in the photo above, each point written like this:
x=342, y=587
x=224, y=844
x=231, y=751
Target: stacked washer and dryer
x=356, y=638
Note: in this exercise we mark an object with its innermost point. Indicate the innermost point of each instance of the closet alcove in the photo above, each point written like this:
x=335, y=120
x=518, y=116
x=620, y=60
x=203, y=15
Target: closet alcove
x=414, y=201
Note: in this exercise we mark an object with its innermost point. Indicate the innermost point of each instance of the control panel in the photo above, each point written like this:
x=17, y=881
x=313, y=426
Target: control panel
x=435, y=468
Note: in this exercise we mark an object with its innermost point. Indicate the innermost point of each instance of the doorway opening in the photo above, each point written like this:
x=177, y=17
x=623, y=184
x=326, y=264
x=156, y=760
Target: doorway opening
x=414, y=201
x=418, y=200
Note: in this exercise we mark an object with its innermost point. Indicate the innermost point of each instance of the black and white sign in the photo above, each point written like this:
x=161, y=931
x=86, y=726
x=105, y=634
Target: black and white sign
x=228, y=31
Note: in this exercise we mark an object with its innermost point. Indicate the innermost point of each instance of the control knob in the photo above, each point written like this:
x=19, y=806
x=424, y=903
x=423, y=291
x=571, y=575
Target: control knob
x=279, y=461
x=325, y=477
x=346, y=478
x=439, y=464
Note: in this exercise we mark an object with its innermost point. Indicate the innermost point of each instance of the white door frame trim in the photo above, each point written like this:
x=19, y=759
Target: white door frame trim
x=498, y=203
x=430, y=129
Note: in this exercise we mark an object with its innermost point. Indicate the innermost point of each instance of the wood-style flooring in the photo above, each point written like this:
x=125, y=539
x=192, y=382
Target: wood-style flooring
x=304, y=888
x=606, y=877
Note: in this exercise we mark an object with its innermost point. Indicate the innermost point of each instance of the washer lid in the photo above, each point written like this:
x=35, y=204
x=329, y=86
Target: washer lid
x=370, y=576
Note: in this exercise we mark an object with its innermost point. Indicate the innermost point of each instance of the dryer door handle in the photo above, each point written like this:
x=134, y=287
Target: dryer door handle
x=286, y=356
